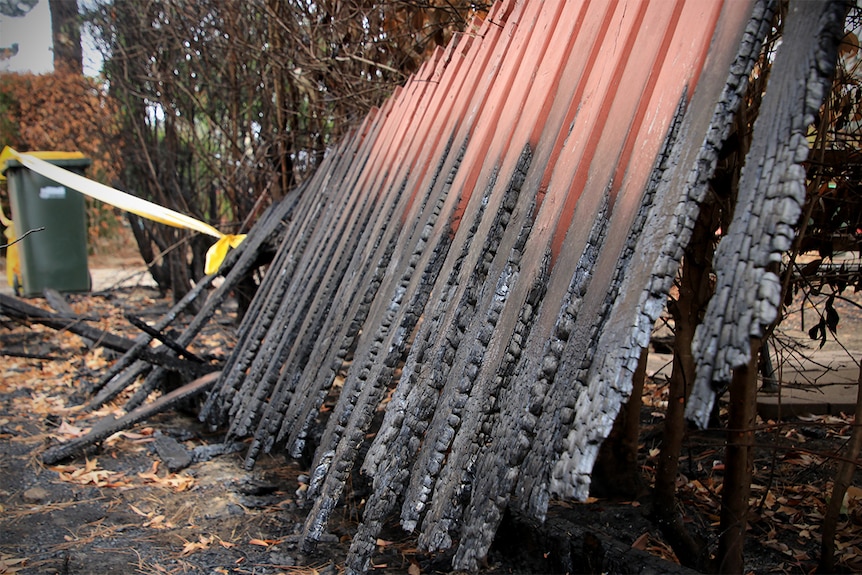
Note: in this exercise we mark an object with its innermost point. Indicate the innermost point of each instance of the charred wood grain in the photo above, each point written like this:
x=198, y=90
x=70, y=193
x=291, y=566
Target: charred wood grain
x=296, y=304
x=468, y=392
x=535, y=305
x=130, y=366
x=164, y=338
x=58, y=301
x=109, y=426
x=119, y=382
x=622, y=340
x=111, y=377
x=349, y=278
x=500, y=467
x=257, y=322
x=316, y=384
x=393, y=315
x=336, y=294
x=301, y=414
x=27, y=313
x=237, y=265
x=366, y=213
x=255, y=329
x=771, y=193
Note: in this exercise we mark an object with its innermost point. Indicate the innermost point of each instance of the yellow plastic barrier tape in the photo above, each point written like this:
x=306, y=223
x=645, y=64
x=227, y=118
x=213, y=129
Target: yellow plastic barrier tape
x=9, y=154
x=130, y=203
x=13, y=264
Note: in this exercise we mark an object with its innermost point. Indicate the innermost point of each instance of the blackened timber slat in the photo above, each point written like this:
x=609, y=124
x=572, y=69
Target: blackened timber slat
x=109, y=426
x=316, y=382
x=271, y=300
x=293, y=308
x=267, y=301
x=167, y=341
x=22, y=311
x=295, y=213
x=110, y=378
x=381, y=451
x=297, y=302
x=128, y=368
x=471, y=282
x=772, y=193
x=265, y=304
x=478, y=399
x=460, y=120
x=119, y=382
x=578, y=119
x=499, y=466
x=377, y=358
x=485, y=360
x=265, y=376
x=399, y=305
x=534, y=267
x=239, y=262
x=348, y=291
x=386, y=217
x=596, y=400
x=583, y=169
x=300, y=309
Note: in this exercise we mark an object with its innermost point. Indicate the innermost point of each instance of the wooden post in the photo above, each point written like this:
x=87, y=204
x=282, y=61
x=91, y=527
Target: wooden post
x=738, y=462
x=843, y=479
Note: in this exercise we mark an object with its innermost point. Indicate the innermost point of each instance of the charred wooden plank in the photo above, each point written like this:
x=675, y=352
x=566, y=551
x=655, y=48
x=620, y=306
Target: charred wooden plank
x=112, y=375
x=377, y=243
x=423, y=206
x=109, y=426
x=399, y=305
x=256, y=325
x=771, y=194
x=25, y=312
x=58, y=301
x=118, y=382
x=237, y=265
x=309, y=295
x=535, y=263
x=129, y=367
x=157, y=334
x=524, y=469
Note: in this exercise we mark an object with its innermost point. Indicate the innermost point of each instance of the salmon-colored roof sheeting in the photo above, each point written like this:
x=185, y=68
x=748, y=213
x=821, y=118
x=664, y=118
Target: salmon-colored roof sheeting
x=485, y=257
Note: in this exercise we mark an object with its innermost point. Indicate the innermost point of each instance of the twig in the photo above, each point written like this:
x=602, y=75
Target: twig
x=18, y=239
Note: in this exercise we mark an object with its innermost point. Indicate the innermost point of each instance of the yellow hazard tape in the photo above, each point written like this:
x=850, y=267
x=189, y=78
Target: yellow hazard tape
x=127, y=202
x=13, y=264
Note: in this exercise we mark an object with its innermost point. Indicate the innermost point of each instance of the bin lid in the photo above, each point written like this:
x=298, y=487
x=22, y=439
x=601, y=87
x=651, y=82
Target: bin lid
x=62, y=159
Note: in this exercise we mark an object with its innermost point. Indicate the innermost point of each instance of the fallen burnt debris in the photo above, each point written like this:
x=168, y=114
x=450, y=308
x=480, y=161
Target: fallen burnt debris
x=21, y=311
x=195, y=374
x=471, y=276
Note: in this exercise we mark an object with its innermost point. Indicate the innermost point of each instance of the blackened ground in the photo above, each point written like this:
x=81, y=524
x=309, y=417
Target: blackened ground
x=119, y=510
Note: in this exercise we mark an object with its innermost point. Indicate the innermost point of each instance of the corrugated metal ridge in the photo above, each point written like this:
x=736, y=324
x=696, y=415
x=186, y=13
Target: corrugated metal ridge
x=484, y=256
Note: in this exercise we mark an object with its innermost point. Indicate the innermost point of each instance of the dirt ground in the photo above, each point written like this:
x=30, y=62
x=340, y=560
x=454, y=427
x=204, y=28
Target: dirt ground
x=120, y=509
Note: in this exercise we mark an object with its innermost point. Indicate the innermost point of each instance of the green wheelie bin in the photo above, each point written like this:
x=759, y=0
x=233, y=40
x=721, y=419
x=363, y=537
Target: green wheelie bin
x=55, y=257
